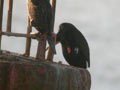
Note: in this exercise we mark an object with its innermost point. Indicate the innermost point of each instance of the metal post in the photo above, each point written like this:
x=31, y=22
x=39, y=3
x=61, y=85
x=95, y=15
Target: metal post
x=1, y=16
x=41, y=47
x=28, y=40
x=9, y=19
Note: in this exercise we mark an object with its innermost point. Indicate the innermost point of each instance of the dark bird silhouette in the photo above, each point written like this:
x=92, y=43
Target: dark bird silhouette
x=74, y=46
x=40, y=14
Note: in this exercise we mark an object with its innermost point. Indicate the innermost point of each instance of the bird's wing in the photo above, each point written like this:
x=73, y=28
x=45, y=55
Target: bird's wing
x=82, y=43
x=78, y=40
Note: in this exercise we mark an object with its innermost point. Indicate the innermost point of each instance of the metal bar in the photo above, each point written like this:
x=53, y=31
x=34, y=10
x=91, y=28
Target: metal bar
x=19, y=35
x=53, y=4
x=28, y=40
x=1, y=17
x=41, y=47
x=50, y=54
x=9, y=19
x=1, y=13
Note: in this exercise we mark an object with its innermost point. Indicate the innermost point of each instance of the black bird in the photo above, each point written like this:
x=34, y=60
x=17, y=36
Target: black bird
x=40, y=14
x=74, y=45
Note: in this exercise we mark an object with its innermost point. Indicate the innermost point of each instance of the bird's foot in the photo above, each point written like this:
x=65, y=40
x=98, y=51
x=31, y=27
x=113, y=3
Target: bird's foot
x=35, y=34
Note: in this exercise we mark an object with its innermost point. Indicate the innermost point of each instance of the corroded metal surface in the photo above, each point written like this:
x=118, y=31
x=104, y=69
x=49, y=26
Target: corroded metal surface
x=21, y=73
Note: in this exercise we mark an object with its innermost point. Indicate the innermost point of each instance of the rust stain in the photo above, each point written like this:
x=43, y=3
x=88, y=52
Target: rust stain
x=27, y=76
x=41, y=70
x=12, y=82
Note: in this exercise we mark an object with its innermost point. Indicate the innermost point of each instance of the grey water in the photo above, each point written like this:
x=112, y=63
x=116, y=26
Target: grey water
x=98, y=20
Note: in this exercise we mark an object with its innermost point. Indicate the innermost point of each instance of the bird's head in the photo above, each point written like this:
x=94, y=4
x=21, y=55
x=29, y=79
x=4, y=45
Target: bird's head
x=66, y=26
x=63, y=29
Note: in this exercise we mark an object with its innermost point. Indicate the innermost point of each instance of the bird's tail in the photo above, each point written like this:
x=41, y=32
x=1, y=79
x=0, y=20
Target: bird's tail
x=89, y=63
x=51, y=43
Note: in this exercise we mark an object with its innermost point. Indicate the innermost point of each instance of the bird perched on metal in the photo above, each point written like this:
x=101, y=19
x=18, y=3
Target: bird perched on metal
x=40, y=14
x=74, y=45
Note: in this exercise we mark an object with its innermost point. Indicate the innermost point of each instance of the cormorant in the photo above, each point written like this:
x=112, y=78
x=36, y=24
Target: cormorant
x=40, y=14
x=74, y=45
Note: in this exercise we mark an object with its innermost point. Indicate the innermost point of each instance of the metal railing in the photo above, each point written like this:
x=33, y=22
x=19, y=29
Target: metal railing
x=28, y=36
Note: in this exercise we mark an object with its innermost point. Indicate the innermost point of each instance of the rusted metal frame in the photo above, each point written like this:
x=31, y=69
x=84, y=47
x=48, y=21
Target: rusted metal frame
x=19, y=35
x=50, y=54
x=1, y=17
x=28, y=40
x=9, y=18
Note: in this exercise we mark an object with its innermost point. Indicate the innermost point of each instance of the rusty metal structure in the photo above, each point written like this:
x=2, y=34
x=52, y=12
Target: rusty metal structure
x=22, y=72
x=28, y=36
x=25, y=73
